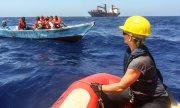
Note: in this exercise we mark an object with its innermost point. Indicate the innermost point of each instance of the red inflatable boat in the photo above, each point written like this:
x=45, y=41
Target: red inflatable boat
x=80, y=94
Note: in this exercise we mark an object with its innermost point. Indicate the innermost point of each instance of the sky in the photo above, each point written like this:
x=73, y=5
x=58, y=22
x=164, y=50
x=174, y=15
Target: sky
x=31, y=8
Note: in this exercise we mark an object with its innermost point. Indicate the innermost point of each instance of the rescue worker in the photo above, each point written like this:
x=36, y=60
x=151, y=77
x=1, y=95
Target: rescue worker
x=57, y=22
x=22, y=24
x=141, y=77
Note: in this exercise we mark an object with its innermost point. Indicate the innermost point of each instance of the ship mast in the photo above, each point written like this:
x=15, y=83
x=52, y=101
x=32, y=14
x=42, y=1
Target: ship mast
x=105, y=8
x=113, y=8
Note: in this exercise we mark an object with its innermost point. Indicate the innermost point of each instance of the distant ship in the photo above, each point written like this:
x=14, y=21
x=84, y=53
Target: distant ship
x=102, y=11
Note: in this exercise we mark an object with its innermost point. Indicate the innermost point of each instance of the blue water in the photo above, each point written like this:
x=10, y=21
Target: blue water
x=33, y=73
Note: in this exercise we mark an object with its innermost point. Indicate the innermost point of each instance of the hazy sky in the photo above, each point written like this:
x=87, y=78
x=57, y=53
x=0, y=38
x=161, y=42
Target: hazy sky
x=81, y=7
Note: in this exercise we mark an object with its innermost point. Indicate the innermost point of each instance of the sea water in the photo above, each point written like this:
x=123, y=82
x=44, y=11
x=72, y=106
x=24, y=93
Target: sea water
x=34, y=73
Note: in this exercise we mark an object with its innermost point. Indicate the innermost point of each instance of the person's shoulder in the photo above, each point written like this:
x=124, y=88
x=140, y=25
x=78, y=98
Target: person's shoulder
x=143, y=60
x=141, y=63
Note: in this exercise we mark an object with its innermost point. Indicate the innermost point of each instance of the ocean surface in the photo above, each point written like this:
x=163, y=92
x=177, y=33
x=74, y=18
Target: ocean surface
x=34, y=73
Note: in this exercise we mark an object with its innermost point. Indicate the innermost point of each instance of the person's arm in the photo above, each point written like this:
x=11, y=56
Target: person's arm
x=128, y=79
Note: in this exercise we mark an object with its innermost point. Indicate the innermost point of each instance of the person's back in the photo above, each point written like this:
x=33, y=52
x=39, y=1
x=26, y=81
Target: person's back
x=149, y=82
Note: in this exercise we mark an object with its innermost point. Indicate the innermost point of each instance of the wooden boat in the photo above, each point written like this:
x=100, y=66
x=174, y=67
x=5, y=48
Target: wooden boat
x=66, y=33
x=80, y=94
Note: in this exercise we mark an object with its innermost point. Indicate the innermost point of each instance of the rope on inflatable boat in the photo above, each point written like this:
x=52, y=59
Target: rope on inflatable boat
x=100, y=100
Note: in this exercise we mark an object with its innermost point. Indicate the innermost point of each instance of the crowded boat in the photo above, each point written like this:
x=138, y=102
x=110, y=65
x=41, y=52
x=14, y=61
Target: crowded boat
x=45, y=28
x=42, y=23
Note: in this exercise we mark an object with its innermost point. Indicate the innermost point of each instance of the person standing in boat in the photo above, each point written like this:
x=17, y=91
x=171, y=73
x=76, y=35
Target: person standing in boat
x=141, y=77
x=22, y=24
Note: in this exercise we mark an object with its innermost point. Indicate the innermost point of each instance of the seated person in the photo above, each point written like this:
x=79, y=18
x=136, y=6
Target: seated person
x=43, y=22
x=22, y=24
x=51, y=18
x=37, y=23
x=40, y=23
x=51, y=22
x=57, y=22
x=48, y=26
x=4, y=23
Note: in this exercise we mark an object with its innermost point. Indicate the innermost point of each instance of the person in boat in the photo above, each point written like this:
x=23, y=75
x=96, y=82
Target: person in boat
x=51, y=18
x=37, y=23
x=57, y=22
x=22, y=24
x=43, y=22
x=51, y=22
x=142, y=80
x=4, y=23
x=48, y=26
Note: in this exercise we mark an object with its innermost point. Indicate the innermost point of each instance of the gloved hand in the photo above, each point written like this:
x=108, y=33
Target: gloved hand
x=96, y=87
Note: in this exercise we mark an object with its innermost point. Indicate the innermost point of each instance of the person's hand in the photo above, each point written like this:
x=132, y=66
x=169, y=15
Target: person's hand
x=96, y=87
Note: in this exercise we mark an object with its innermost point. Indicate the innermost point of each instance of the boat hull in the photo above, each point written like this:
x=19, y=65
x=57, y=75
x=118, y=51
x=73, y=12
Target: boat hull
x=101, y=14
x=69, y=38
x=69, y=33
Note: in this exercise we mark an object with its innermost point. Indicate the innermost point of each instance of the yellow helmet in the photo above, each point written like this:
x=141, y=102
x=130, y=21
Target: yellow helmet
x=137, y=25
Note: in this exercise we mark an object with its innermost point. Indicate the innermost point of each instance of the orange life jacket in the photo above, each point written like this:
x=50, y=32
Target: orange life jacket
x=57, y=22
x=21, y=24
x=43, y=22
